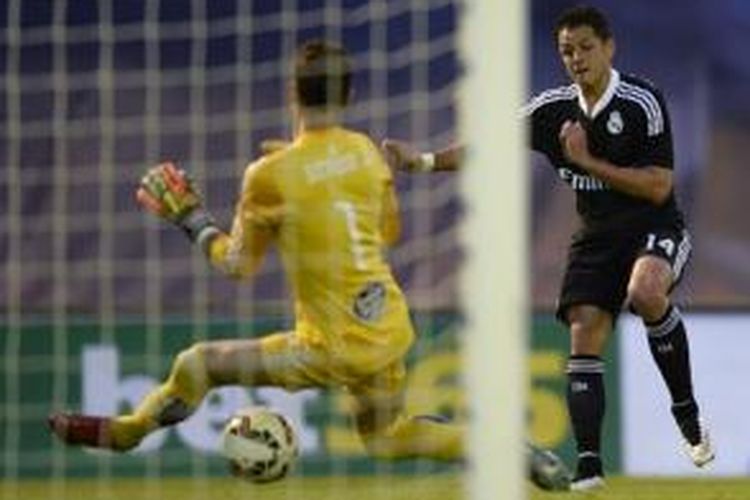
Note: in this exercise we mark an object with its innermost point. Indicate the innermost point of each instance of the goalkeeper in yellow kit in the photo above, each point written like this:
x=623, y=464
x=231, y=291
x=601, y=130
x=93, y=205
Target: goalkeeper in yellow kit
x=327, y=201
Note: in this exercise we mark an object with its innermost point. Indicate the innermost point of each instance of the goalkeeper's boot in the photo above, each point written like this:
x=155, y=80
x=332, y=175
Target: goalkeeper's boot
x=546, y=470
x=589, y=473
x=83, y=430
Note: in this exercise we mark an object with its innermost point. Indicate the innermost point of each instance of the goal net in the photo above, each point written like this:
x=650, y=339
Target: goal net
x=99, y=296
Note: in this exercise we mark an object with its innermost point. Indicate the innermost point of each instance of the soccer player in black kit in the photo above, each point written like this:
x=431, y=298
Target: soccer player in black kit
x=608, y=136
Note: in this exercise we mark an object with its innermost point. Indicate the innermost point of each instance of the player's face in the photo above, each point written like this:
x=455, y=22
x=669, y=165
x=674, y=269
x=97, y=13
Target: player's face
x=587, y=58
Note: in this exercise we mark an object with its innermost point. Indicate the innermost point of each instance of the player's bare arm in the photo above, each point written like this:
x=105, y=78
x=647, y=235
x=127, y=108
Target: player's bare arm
x=402, y=156
x=654, y=183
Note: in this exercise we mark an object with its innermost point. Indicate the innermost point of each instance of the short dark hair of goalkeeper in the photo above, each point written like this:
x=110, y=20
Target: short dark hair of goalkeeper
x=322, y=75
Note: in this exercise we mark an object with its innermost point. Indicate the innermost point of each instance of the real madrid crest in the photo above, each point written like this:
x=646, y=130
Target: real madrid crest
x=615, y=123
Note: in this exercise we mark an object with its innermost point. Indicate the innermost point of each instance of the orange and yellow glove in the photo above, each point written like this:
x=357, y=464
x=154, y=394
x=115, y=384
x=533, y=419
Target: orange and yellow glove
x=170, y=194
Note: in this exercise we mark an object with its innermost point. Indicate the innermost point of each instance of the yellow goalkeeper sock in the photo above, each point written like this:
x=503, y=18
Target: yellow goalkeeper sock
x=170, y=403
x=412, y=437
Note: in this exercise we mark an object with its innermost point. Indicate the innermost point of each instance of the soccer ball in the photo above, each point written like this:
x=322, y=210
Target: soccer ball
x=260, y=444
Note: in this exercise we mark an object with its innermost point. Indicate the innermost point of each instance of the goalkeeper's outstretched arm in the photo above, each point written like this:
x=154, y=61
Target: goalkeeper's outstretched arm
x=256, y=219
x=171, y=195
x=403, y=157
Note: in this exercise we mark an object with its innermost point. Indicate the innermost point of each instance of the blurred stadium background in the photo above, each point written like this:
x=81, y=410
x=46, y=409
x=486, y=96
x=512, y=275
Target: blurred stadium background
x=97, y=296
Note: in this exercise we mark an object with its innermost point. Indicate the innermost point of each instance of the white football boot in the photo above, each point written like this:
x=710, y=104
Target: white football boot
x=702, y=453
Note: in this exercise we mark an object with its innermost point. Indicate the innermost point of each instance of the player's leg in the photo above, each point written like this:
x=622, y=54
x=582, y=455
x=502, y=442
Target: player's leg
x=194, y=371
x=592, y=292
x=653, y=277
x=589, y=328
x=388, y=433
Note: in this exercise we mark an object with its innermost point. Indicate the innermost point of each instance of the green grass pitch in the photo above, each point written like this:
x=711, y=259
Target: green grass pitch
x=438, y=486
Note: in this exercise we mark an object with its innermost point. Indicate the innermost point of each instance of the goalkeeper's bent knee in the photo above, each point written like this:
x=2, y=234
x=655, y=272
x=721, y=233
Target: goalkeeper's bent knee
x=177, y=398
x=189, y=378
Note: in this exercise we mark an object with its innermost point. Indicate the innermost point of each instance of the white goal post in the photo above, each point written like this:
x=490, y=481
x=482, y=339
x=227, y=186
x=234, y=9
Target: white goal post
x=494, y=283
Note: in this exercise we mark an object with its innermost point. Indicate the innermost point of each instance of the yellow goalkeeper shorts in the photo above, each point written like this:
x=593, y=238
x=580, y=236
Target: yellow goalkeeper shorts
x=294, y=362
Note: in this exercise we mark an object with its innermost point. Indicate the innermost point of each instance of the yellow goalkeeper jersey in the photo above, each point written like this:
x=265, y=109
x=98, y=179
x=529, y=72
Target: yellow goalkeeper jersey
x=329, y=203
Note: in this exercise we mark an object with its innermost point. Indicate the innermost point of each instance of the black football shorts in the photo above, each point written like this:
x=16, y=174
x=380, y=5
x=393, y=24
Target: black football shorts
x=600, y=263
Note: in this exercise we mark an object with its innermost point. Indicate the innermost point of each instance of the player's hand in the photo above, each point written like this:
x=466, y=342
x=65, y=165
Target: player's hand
x=269, y=146
x=168, y=193
x=401, y=156
x=575, y=143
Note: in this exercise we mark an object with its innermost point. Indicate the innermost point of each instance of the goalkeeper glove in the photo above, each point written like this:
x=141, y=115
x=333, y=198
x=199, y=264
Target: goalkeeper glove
x=170, y=194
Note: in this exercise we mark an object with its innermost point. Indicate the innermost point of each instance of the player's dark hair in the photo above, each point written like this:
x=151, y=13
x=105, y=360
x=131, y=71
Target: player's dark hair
x=584, y=15
x=322, y=74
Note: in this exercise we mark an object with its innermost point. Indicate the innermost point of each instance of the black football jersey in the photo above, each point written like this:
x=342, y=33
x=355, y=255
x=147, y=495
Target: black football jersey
x=628, y=127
